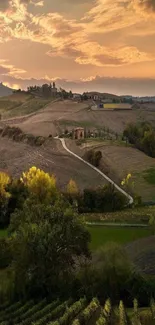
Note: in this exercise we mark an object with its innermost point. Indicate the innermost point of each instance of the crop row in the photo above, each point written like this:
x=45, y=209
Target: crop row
x=71, y=313
x=15, y=313
x=27, y=313
x=105, y=314
x=54, y=314
x=88, y=312
x=41, y=313
x=77, y=313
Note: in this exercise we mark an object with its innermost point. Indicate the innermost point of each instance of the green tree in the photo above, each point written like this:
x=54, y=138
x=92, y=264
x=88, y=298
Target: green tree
x=93, y=157
x=107, y=274
x=47, y=242
x=18, y=194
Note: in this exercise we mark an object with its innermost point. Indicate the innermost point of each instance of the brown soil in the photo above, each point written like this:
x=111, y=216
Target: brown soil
x=57, y=116
x=120, y=161
x=18, y=157
x=46, y=120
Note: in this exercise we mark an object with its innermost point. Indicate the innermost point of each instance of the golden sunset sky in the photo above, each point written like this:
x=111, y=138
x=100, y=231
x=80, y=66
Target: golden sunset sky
x=105, y=45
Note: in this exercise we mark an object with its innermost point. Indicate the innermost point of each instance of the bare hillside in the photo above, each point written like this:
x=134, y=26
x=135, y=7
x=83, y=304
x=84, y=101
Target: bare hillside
x=5, y=91
x=118, y=161
x=46, y=120
x=52, y=158
x=55, y=117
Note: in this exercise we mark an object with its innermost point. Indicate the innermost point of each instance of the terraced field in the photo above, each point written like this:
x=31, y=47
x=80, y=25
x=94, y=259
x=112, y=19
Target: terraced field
x=69, y=312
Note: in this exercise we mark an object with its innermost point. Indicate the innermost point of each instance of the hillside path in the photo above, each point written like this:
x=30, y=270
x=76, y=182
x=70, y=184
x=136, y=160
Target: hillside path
x=97, y=170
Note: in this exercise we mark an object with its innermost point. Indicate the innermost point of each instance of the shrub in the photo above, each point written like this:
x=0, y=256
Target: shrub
x=39, y=141
x=93, y=157
x=30, y=139
x=103, y=199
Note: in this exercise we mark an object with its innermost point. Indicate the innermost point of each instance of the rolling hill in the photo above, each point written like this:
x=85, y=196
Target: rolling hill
x=5, y=91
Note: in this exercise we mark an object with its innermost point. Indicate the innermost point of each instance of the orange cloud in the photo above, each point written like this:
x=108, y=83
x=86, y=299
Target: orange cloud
x=9, y=69
x=39, y=4
x=73, y=39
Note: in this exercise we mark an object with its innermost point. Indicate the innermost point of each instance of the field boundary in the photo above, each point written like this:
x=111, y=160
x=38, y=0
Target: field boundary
x=117, y=224
x=129, y=197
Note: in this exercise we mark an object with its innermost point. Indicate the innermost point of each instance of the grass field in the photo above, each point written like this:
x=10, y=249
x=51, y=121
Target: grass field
x=100, y=235
x=27, y=107
x=149, y=176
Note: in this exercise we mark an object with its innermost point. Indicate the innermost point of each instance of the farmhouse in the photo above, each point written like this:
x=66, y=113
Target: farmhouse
x=78, y=133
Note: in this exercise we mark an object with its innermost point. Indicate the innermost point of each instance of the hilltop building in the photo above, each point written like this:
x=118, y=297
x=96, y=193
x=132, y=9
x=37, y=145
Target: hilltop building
x=78, y=133
x=53, y=89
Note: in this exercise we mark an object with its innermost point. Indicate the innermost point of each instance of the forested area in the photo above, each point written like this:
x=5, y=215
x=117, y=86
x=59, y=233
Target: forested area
x=47, y=250
x=142, y=135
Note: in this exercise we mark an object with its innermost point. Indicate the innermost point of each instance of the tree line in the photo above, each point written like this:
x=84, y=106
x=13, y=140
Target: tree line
x=13, y=192
x=142, y=136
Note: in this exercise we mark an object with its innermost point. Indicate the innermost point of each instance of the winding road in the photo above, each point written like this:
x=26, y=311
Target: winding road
x=130, y=199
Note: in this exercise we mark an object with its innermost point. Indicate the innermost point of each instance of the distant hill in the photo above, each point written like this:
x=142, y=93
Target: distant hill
x=5, y=91
x=106, y=95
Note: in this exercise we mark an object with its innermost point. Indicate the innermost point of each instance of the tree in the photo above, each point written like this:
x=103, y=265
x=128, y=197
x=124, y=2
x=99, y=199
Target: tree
x=4, y=198
x=72, y=193
x=41, y=185
x=148, y=143
x=5, y=253
x=4, y=181
x=72, y=188
x=107, y=274
x=93, y=157
x=152, y=223
x=18, y=194
x=46, y=246
x=142, y=136
x=70, y=94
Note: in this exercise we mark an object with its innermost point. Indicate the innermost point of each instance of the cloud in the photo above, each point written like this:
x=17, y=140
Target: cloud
x=5, y=4
x=7, y=69
x=72, y=38
x=39, y=4
x=145, y=6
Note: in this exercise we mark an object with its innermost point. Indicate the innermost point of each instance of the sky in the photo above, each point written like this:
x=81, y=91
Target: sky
x=83, y=45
